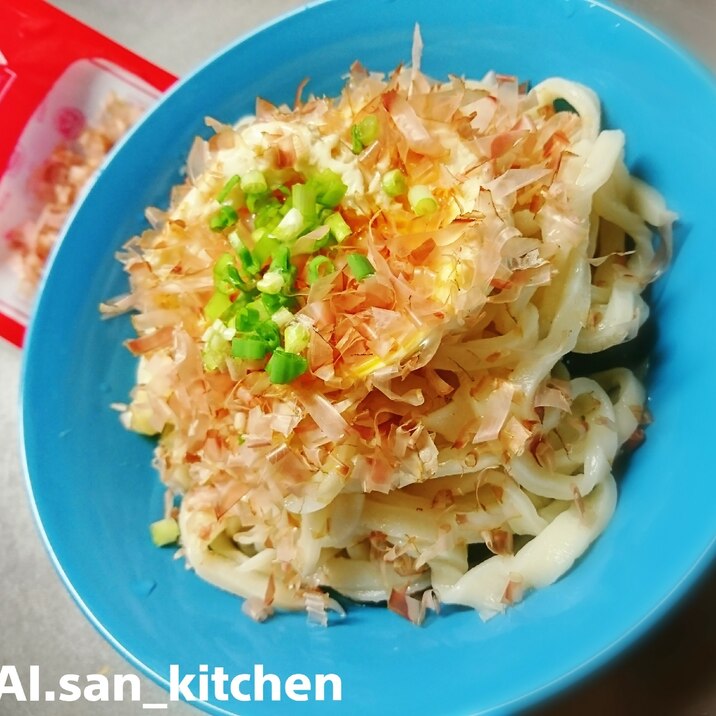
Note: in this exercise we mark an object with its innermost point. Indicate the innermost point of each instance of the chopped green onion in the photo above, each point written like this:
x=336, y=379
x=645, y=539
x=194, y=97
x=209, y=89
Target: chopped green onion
x=360, y=266
x=234, y=241
x=222, y=281
x=269, y=332
x=254, y=182
x=216, y=305
x=214, y=355
x=164, y=532
x=254, y=202
x=280, y=266
x=271, y=282
x=247, y=319
x=296, y=337
x=284, y=190
x=249, y=348
x=222, y=263
x=329, y=187
x=338, y=227
x=356, y=142
x=265, y=247
x=245, y=256
x=280, y=259
x=319, y=266
x=285, y=207
x=274, y=301
x=368, y=129
x=319, y=244
x=225, y=217
x=290, y=226
x=290, y=278
x=364, y=133
x=235, y=308
x=284, y=367
x=395, y=183
x=268, y=215
x=235, y=277
x=304, y=199
x=217, y=344
x=282, y=317
x=223, y=195
x=260, y=306
x=422, y=200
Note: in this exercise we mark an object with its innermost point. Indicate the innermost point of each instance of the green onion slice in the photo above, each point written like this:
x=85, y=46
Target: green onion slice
x=275, y=301
x=247, y=260
x=318, y=267
x=304, y=199
x=364, y=133
x=234, y=276
x=216, y=305
x=290, y=226
x=254, y=182
x=164, y=532
x=356, y=141
x=254, y=202
x=338, y=227
x=247, y=319
x=296, y=337
x=359, y=266
x=272, y=282
x=281, y=316
x=225, y=217
x=284, y=367
x=269, y=332
x=222, y=282
x=265, y=247
x=280, y=259
x=268, y=215
x=238, y=305
x=223, y=195
x=249, y=348
x=422, y=200
x=368, y=129
x=329, y=188
x=258, y=305
x=395, y=183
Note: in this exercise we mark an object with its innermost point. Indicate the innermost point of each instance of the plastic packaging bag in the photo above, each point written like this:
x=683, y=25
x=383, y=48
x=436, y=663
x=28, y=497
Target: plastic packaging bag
x=67, y=93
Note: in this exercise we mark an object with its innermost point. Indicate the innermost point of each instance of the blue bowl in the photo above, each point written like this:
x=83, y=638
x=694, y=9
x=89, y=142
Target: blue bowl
x=94, y=489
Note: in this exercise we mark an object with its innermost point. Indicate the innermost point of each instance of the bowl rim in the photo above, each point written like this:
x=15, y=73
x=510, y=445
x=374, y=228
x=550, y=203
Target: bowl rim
x=545, y=692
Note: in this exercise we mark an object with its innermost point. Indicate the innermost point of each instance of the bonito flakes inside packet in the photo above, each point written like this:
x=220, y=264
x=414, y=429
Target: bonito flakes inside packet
x=56, y=184
x=67, y=95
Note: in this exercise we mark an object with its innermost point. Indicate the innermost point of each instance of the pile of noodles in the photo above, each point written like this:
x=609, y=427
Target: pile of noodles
x=436, y=413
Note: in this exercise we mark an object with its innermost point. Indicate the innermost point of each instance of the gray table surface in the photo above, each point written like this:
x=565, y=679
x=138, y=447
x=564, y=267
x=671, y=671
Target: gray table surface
x=672, y=671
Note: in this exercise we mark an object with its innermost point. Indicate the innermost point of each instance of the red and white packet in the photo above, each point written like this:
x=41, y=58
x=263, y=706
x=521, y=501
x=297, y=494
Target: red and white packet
x=55, y=76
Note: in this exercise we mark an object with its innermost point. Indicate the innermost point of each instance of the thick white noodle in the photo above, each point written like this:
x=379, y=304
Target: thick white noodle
x=540, y=562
